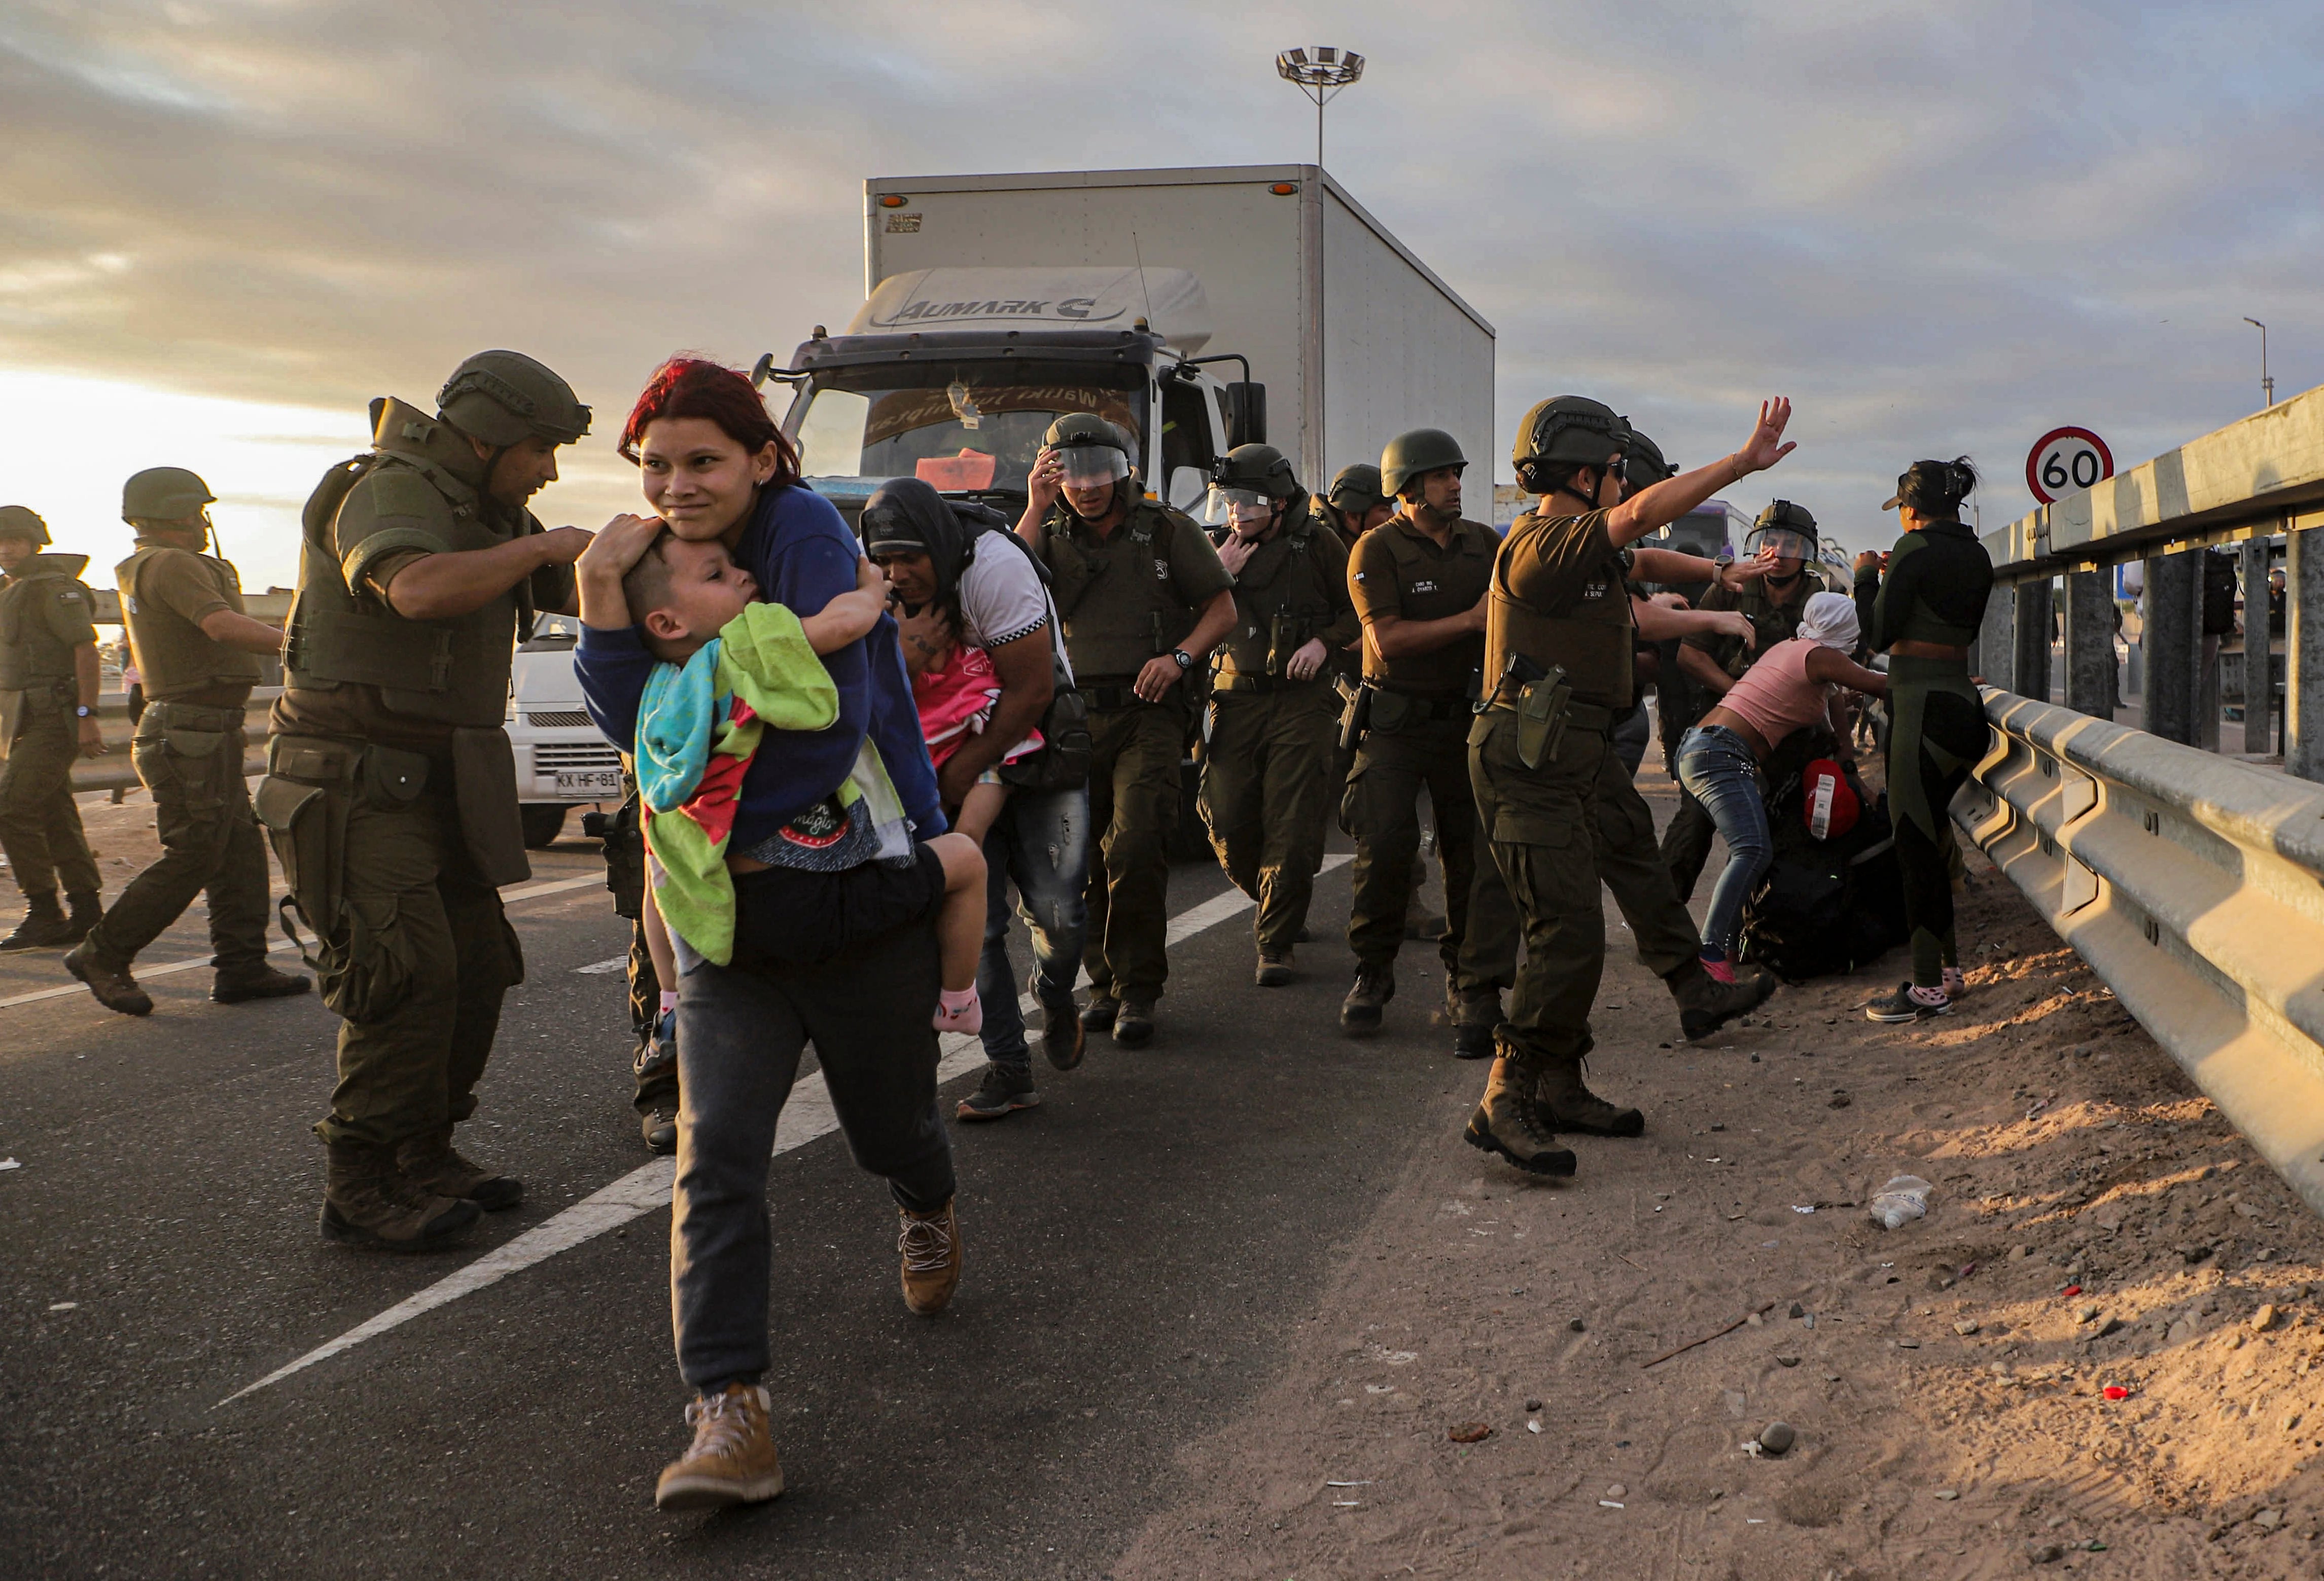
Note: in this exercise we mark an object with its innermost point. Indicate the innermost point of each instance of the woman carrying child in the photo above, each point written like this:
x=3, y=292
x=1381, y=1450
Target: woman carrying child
x=807, y=859
x=1792, y=685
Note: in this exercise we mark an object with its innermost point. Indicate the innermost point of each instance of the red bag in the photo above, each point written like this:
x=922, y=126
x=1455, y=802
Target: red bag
x=1828, y=800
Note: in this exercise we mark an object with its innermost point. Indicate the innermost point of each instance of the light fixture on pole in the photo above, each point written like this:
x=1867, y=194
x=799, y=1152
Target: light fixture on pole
x=2267, y=379
x=1320, y=72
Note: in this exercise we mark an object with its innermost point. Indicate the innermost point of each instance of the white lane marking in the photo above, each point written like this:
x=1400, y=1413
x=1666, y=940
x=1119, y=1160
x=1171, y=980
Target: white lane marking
x=596, y=968
x=807, y=1116
x=508, y=897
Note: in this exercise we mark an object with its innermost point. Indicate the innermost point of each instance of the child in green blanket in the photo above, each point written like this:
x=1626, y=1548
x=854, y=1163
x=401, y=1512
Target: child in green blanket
x=681, y=595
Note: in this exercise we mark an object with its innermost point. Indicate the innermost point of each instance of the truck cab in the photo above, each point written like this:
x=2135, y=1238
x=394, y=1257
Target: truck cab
x=954, y=375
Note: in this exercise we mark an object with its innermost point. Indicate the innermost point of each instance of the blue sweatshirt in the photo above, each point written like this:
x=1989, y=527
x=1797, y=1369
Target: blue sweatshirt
x=799, y=548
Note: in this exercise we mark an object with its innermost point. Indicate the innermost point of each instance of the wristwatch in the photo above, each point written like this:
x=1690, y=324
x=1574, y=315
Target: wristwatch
x=1719, y=563
x=1185, y=660
x=82, y=710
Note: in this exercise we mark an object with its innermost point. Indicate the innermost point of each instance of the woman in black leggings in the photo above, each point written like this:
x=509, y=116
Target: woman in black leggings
x=1925, y=614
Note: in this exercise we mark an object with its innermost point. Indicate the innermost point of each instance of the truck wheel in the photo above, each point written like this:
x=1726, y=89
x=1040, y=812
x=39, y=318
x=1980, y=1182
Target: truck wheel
x=543, y=821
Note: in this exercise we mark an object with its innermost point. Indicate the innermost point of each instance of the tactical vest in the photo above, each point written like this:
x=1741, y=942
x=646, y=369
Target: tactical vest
x=176, y=657
x=1771, y=622
x=32, y=659
x=1282, y=584
x=1115, y=597
x=1591, y=637
x=451, y=671
x=1432, y=673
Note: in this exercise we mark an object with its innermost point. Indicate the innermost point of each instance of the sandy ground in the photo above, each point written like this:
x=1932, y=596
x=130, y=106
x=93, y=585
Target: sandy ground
x=2095, y=1223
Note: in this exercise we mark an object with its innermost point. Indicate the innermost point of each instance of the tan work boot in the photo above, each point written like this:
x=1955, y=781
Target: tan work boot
x=367, y=1203
x=114, y=988
x=1705, y=1004
x=1563, y=1103
x=732, y=1460
x=930, y=1243
x=430, y=1162
x=1360, y=1012
x=1505, y=1123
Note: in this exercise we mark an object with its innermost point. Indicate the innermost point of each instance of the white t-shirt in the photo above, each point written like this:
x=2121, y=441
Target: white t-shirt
x=1001, y=599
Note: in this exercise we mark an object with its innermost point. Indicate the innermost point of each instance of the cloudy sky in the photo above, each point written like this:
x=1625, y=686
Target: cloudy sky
x=1939, y=226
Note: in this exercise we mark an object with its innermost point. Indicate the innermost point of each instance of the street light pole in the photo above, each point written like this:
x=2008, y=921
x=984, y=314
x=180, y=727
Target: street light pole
x=2267, y=379
x=1320, y=72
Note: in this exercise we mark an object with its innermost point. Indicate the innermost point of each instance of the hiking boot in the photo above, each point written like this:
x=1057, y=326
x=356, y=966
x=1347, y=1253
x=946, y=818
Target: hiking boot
x=1360, y=1012
x=1063, y=1041
x=431, y=1164
x=732, y=1460
x=1472, y=1041
x=1562, y=1103
x=658, y=1126
x=1909, y=1004
x=261, y=981
x=114, y=988
x=43, y=926
x=1274, y=969
x=1133, y=1024
x=930, y=1243
x=1705, y=1004
x=1099, y=1014
x=367, y=1203
x=1505, y=1122
x=1000, y=1094
x=1719, y=972
x=87, y=911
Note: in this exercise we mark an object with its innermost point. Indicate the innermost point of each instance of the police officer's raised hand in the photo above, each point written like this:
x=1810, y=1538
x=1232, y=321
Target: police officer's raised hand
x=1304, y=664
x=92, y=738
x=562, y=546
x=1736, y=574
x=1045, y=482
x=1767, y=446
x=1235, y=552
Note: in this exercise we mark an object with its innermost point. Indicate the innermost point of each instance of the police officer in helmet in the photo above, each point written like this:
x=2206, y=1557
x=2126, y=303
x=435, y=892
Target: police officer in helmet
x=49, y=679
x=1355, y=504
x=199, y=653
x=390, y=795
x=1143, y=599
x=1558, y=650
x=1266, y=776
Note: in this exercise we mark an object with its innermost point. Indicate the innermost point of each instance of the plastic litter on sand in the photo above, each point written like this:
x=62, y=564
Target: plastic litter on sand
x=1903, y=1200
x=2116, y=1391
x=7, y=1163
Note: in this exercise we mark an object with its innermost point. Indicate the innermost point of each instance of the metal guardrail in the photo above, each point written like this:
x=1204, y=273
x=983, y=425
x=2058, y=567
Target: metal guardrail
x=2193, y=884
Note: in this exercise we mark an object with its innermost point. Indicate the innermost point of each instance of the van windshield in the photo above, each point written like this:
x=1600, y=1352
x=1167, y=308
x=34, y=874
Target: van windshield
x=962, y=427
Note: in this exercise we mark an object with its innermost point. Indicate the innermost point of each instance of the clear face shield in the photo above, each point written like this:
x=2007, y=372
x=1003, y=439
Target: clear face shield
x=1784, y=543
x=1244, y=509
x=1090, y=467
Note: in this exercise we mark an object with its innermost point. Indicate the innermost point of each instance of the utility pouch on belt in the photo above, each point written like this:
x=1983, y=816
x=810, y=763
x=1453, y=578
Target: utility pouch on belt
x=483, y=779
x=1541, y=717
x=1286, y=635
x=1356, y=718
x=302, y=804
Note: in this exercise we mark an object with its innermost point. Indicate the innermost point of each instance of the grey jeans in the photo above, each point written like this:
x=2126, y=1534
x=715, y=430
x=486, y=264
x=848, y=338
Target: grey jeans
x=1039, y=843
x=740, y=1033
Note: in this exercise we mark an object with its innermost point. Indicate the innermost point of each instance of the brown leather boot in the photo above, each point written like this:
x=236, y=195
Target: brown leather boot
x=930, y=1243
x=1705, y=1004
x=114, y=988
x=87, y=911
x=367, y=1203
x=1562, y=1103
x=43, y=926
x=1505, y=1122
x=732, y=1460
x=1360, y=1012
x=431, y=1164
x=260, y=981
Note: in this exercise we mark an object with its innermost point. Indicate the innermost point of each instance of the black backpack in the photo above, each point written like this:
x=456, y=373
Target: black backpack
x=1825, y=906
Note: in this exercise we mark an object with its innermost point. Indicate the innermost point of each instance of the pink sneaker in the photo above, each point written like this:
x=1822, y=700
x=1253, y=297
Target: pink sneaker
x=1722, y=971
x=1954, y=983
x=960, y=1011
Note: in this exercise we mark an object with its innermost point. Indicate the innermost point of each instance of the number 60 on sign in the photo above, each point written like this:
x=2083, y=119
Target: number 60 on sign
x=2064, y=459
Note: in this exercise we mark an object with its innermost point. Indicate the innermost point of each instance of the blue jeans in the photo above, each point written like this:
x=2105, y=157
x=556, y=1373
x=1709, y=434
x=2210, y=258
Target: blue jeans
x=1040, y=843
x=1719, y=771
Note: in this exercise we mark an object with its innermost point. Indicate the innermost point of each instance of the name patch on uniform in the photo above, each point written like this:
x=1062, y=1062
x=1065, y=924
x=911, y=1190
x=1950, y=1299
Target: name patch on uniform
x=1423, y=586
x=1593, y=589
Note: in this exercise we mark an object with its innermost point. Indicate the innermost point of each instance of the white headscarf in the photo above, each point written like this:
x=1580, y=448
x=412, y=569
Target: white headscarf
x=1832, y=621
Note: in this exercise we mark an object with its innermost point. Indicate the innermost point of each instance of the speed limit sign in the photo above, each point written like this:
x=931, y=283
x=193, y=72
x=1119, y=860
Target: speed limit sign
x=2064, y=459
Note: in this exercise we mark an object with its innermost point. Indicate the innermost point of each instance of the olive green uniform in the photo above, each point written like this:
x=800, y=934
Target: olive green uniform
x=1421, y=707
x=45, y=614
x=188, y=752
x=1776, y=615
x=1558, y=600
x=389, y=794
x=1268, y=783
x=1127, y=597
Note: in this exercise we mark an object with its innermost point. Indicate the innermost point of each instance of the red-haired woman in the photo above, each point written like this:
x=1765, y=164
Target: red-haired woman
x=714, y=467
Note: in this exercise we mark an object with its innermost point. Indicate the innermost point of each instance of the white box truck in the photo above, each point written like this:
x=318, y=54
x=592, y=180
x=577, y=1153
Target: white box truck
x=1199, y=308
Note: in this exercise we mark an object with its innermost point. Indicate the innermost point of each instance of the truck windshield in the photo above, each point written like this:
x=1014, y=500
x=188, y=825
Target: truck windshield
x=962, y=427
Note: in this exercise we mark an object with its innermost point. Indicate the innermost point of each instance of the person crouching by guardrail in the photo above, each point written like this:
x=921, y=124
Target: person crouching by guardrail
x=1924, y=613
x=197, y=653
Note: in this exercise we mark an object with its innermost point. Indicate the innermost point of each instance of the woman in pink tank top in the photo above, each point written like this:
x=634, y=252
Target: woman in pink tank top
x=1791, y=685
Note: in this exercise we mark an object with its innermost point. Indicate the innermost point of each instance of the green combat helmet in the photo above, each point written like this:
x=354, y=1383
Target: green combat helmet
x=1091, y=450
x=505, y=398
x=1787, y=530
x=1643, y=465
x=165, y=494
x=1356, y=490
x=1411, y=455
x=1260, y=468
x=21, y=521
x=1565, y=430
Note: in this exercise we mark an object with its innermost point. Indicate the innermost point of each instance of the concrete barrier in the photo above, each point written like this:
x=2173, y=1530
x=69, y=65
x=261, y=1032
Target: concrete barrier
x=2193, y=884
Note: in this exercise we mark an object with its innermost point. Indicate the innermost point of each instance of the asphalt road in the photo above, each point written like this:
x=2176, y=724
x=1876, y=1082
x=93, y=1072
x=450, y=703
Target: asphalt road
x=1139, y=1252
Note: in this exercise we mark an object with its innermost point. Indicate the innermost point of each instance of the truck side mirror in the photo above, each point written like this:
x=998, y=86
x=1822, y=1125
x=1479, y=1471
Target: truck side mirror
x=1187, y=486
x=1246, y=414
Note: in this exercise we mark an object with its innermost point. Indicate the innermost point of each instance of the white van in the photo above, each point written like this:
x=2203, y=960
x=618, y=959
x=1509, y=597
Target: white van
x=562, y=760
